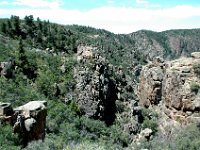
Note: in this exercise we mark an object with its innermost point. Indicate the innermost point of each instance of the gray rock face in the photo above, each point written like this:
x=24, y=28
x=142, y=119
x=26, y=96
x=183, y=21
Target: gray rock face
x=196, y=55
x=166, y=44
x=100, y=89
x=6, y=68
x=95, y=90
x=171, y=84
x=150, y=89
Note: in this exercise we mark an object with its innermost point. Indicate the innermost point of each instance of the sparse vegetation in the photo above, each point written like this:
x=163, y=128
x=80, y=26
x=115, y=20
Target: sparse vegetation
x=185, y=139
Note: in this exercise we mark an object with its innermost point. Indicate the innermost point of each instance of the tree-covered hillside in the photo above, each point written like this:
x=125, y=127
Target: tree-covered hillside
x=39, y=61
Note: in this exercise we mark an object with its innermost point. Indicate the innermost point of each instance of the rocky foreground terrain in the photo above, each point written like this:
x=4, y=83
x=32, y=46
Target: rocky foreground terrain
x=104, y=91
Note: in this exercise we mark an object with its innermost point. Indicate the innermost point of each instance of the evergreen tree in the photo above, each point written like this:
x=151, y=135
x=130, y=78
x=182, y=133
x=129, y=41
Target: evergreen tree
x=21, y=56
x=16, y=25
x=73, y=44
x=27, y=66
x=4, y=27
x=10, y=31
x=30, y=25
x=29, y=20
x=39, y=24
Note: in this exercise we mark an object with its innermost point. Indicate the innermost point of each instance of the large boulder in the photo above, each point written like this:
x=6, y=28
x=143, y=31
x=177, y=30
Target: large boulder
x=6, y=113
x=5, y=109
x=103, y=91
x=31, y=121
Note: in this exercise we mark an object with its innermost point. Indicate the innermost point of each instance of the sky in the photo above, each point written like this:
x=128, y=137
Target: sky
x=118, y=16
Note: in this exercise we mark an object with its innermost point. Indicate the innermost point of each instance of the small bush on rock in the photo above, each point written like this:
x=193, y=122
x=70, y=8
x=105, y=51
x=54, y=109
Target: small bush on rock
x=150, y=120
x=196, y=68
x=194, y=86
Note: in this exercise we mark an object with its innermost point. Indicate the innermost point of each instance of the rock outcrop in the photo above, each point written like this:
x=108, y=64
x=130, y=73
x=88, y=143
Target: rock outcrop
x=174, y=86
x=95, y=89
x=102, y=90
x=6, y=113
x=7, y=68
x=150, y=90
x=31, y=121
x=28, y=121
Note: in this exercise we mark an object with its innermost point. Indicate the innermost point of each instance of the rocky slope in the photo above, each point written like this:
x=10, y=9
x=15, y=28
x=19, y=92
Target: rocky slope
x=168, y=44
x=172, y=88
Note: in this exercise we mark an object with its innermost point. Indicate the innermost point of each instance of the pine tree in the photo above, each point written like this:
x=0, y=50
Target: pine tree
x=30, y=25
x=28, y=67
x=16, y=25
x=9, y=29
x=21, y=56
x=39, y=24
x=4, y=27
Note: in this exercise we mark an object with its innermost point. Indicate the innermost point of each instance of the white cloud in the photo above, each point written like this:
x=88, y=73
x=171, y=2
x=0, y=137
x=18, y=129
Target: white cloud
x=33, y=3
x=119, y=19
x=142, y=2
x=4, y=3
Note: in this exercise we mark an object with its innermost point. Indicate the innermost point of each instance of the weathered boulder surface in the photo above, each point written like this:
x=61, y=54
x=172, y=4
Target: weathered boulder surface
x=174, y=84
x=5, y=109
x=31, y=121
x=6, y=112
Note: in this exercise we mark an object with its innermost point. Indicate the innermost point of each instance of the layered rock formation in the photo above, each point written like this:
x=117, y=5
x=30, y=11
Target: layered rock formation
x=173, y=86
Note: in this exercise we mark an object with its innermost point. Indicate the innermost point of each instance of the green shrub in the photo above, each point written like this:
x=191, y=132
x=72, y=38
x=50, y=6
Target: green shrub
x=146, y=112
x=118, y=136
x=194, y=86
x=151, y=124
x=74, y=107
x=196, y=68
x=7, y=139
x=150, y=120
